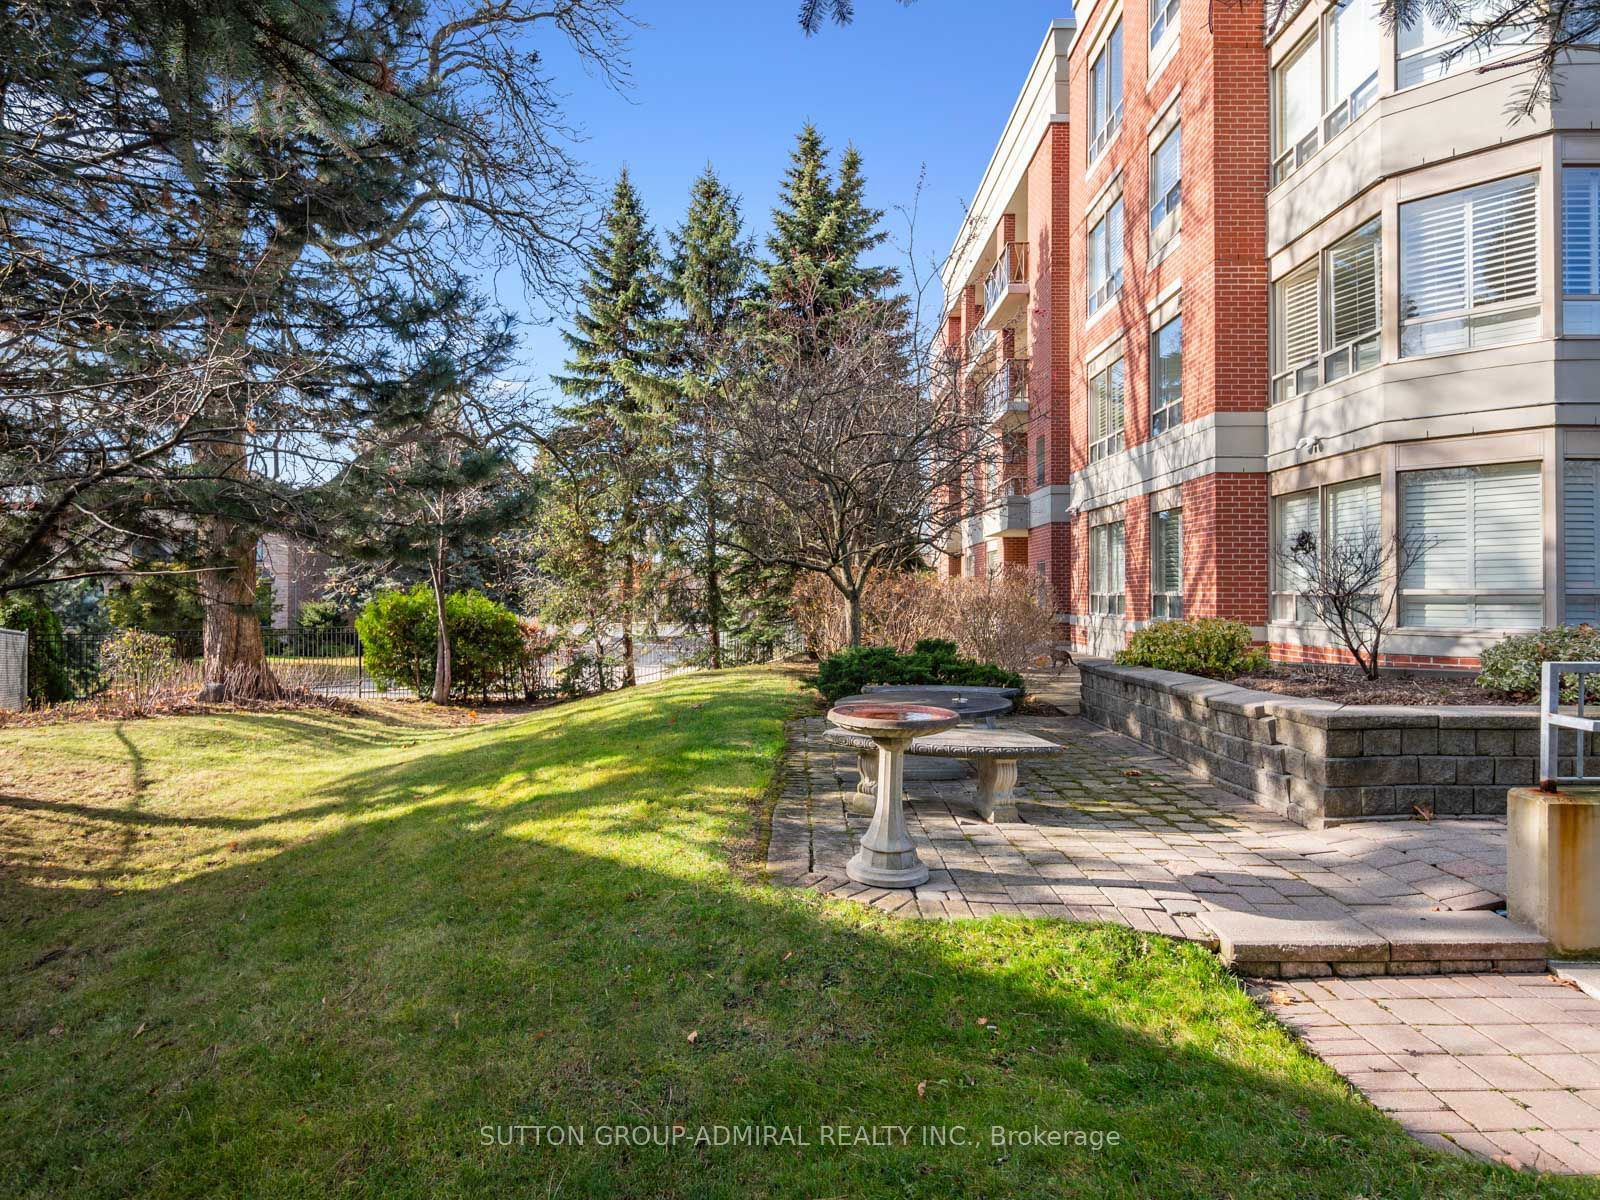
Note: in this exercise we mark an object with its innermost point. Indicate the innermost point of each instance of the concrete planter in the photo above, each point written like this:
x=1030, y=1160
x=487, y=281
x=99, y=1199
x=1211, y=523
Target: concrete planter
x=1316, y=761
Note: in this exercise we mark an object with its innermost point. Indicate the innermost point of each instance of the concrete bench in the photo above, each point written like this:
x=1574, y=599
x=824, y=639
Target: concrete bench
x=993, y=753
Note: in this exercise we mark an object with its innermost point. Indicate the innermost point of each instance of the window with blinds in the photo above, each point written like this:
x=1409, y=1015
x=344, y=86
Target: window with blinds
x=1355, y=306
x=1297, y=333
x=1105, y=94
x=1295, y=524
x=1469, y=268
x=1106, y=394
x=1166, y=376
x=1580, y=541
x=1580, y=250
x=1166, y=564
x=1481, y=560
x=1351, y=73
x=1297, y=96
x=1166, y=187
x=1105, y=258
x=1107, y=563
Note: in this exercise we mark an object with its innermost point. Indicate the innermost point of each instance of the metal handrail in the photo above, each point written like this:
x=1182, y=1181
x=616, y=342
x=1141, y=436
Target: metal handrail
x=1552, y=721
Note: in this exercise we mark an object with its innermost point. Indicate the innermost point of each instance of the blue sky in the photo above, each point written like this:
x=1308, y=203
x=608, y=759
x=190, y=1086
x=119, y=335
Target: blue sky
x=731, y=81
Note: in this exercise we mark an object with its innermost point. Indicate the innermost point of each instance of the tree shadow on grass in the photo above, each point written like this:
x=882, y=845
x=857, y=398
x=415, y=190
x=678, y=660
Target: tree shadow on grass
x=346, y=1015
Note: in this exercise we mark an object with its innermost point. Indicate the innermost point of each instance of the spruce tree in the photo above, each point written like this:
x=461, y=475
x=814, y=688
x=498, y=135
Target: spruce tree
x=614, y=428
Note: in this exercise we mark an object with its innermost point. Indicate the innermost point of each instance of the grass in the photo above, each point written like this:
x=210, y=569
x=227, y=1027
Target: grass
x=315, y=954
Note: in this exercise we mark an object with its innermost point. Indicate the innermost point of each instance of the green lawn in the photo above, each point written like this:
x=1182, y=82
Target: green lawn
x=316, y=955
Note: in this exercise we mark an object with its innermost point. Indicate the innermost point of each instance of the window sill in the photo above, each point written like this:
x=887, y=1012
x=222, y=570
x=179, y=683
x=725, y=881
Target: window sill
x=1161, y=54
x=1322, y=387
x=1159, y=254
x=1104, y=152
x=1405, y=358
x=1108, y=305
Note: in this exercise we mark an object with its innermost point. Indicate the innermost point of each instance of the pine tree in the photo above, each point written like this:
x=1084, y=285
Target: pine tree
x=614, y=429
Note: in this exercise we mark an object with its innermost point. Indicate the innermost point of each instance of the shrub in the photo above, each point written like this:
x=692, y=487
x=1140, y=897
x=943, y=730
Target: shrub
x=399, y=635
x=319, y=615
x=137, y=665
x=1511, y=666
x=1210, y=646
x=48, y=680
x=931, y=661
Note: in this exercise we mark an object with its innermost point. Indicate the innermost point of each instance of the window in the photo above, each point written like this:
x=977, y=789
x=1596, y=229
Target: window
x=1107, y=554
x=1105, y=94
x=1296, y=90
x=1105, y=412
x=1580, y=541
x=1166, y=376
x=1354, y=513
x=1355, y=303
x=1481, y=563
x=1163, y=18
x=1166, y=188
x=1430, y=49
x=1352, y=63
x=1329, y=315
x=1166, y=564
x=1469, y=268
x=1039, y=461
x=1580, y=250
x=1296, y=334
x=1105, y=258
x=1295, y=524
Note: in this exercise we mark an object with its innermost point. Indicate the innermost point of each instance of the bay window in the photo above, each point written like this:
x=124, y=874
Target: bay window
x=1352, y=31
x=1106, y=396
x=1296, y=333
x=1431, y=45
x=1469, y=268
x=1166, y=376
x=1166, y=564
x=1107, y=563
x=1105, y=258
x=1354, y=303
x=1166, y=187
x=1105, y=93
x=1295, y=528
x=1480, y=560
x=1296, y=87
x=1329, y=80
x=1580, y=250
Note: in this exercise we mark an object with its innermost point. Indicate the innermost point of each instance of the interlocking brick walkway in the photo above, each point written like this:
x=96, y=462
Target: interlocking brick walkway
x=1112, y=832
x=1502, y=1066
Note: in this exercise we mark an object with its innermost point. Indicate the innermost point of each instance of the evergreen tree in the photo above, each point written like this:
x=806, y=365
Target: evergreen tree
x=613, y=434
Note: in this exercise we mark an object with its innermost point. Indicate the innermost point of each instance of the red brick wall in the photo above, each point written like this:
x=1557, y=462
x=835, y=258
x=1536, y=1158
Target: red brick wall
x=1014, y=552
x=1051, y=545
x=1225, y=547
x=1049, y=302
x=1136, y=545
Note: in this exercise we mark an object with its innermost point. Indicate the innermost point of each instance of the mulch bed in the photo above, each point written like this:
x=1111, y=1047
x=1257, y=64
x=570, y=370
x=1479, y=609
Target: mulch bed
x=1351, y=687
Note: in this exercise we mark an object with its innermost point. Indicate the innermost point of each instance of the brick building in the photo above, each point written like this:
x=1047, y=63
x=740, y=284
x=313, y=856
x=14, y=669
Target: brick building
x=1224, y=287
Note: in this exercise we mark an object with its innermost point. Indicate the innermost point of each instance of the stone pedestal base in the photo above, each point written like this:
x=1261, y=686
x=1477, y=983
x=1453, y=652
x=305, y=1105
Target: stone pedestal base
x=887, y=857
x=1553, y=864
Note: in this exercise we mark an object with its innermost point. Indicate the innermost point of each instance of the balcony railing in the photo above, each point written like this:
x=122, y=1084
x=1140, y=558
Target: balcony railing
x=1006, y=391
x=978, y=343
x=1009, y=270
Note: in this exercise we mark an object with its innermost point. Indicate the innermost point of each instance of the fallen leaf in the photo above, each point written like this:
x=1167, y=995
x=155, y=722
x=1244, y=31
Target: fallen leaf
x=983, y=1020
x=1509, y=1160
x=1133, y=772
x=234, y=847
x=922, y=1089
x=787, y=955
x=140, y=1030
x=694, y=1036
x=1280, y=997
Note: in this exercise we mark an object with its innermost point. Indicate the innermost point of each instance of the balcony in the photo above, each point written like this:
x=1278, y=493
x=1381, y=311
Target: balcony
x=1005, y=288
x=1008, y=514
x=1006, y=391
x=979, y=342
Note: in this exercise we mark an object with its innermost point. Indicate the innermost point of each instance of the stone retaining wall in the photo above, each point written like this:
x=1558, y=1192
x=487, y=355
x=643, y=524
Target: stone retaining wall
x=1315, y=761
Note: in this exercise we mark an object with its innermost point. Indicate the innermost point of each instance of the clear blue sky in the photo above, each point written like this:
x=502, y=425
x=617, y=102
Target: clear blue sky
x=730, y=82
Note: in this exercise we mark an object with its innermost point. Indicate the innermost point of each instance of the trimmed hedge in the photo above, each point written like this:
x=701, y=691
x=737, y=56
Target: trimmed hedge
x=1210, y=646
x=399, y=634
x=931, y=661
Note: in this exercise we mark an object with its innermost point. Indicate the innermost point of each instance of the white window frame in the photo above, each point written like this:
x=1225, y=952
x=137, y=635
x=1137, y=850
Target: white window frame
x=1332, y=361
x=1476, y=318
x=1339, y=112
x=1108, y=557
x=1446, y=54
x=1105, y=256
x=1288, y=604
x=1336, y=113
x=1166, y=209
x=1580, y=260
x=1287, y=159
x=1105, y=110
x=1168, y=415
x=1166, y=595
x=1163, y=20
x=1474, y=595
x=1107, y=424
x=1300, y=374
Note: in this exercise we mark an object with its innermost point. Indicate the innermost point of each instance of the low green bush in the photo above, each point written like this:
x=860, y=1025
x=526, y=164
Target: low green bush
x=399, y=633
x=48, y=680
x=931, y=661
x=319, y=615
x=1511, y=666
x=1209, y=646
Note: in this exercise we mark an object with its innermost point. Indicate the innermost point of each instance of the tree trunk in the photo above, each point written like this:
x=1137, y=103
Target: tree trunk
x=235, y=657
x=629, y=677
x=854, y=599
x=713, y=586
x=441, y=653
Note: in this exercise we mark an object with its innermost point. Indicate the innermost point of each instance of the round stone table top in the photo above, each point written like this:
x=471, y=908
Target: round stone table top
x=969, y=703
x=877, y=717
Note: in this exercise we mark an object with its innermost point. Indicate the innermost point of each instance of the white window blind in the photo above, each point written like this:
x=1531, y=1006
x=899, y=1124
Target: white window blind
x=1354, y=512
x=1166, y=376
x=1106, y=397
x=1107, y=569
x=1469, y=267
x=1105, y=258
x=1299, y=105
x=1580, y=541
x=1298, y=336
x=1481, y=562
x=1166, y=189
x=1352, y=71
x=1166, y=564
x=1295, y=516
x=1105, y=93
x=1354, y=275
x=1580, y=249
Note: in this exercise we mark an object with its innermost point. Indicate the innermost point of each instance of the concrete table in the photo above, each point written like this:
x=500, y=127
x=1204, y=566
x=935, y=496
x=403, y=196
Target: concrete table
x=887, y=857
x=994, y=754
x=971, y=704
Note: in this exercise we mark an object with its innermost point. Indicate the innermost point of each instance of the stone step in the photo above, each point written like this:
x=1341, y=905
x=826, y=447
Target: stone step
x=1375, y=941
